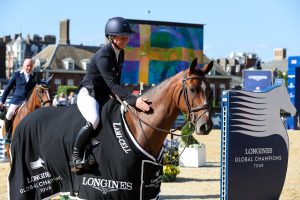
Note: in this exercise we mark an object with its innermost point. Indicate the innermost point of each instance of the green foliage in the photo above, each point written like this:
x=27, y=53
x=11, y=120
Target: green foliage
x=66, y=89
x=282, y=75
x=215, y=104
x=64, y=197
x=187, y=137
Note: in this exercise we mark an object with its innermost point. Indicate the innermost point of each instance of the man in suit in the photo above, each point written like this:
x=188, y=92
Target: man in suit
x=22, y=82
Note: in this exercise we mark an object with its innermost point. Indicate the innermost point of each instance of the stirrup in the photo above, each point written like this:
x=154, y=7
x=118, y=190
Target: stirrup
x=79, y=164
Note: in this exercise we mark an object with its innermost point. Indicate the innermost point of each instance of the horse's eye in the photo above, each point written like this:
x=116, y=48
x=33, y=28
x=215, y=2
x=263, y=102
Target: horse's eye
x=193, y=90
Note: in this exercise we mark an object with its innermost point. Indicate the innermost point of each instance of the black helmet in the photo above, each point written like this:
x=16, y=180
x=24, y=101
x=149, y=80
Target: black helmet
x=118, y=26
x=3, y=112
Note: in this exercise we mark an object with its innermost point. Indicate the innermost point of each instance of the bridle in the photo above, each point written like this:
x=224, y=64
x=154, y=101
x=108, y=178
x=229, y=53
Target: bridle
x=191, y=116
x=42, y=102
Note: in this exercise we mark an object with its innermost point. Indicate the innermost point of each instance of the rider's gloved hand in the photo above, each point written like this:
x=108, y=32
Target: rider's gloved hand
x=1, y=104
x=141, y=103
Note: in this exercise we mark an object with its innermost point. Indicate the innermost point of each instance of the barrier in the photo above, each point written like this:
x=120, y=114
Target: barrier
x=254, y=144
x=294, y=89
x=3, y=157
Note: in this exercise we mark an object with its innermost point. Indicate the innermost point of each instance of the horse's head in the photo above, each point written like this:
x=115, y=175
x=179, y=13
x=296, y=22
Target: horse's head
x=42, y=94
x=196, y=101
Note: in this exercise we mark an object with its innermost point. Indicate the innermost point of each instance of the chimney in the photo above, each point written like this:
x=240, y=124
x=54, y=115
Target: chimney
x=64, y=32
x=279, y=53
x=27, y=39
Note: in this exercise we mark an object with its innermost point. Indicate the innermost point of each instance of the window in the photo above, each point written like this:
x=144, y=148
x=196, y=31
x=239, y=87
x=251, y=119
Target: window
x=69, y=63
x=222, y=87
x=70, y=66
x=57, y=82
x=70, y=82
x=85, y=63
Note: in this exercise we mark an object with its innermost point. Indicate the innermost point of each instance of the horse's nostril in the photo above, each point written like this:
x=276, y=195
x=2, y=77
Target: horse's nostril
x=205, y=129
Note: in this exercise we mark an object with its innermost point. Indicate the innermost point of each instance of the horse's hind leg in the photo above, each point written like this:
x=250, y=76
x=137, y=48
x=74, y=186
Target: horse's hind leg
x=8, y=128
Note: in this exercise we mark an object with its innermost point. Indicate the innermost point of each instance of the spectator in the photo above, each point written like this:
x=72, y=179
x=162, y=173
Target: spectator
x=55, y=101
x=62, y=100
x=71, y=98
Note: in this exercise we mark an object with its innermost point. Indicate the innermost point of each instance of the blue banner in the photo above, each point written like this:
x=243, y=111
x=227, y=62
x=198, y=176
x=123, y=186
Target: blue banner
x=257, y=80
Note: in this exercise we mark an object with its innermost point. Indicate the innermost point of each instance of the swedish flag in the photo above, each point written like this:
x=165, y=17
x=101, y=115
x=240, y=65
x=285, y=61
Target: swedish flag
x=157, y=52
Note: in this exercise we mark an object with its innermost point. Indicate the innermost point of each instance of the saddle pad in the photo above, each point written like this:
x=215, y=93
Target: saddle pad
x=42, y=150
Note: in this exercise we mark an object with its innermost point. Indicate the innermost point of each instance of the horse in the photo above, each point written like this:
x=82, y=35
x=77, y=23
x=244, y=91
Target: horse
x=127, y=150
x=38, y=98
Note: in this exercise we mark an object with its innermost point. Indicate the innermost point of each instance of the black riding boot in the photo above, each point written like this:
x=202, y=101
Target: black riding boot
x=8, y=127
x=78, y=160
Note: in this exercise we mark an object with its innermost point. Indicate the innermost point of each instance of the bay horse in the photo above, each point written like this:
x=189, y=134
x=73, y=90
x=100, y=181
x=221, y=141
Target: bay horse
x=127, y=150
x=38, y=98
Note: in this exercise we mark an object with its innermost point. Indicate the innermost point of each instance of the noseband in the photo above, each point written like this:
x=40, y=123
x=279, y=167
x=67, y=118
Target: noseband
x=191, y=116
x=43, y=103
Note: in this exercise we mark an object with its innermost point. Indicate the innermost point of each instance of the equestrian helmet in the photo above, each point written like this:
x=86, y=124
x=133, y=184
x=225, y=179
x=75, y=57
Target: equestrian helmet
x=118, y=26
x=3, y=112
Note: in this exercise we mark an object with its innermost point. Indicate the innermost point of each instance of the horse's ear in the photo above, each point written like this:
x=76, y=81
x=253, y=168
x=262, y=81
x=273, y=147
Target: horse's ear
x=48, y=79
x=206, y=68
x=193, y=66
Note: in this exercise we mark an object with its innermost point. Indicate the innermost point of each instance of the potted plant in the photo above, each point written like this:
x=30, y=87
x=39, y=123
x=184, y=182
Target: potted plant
x=192, y=153
x=170, y=162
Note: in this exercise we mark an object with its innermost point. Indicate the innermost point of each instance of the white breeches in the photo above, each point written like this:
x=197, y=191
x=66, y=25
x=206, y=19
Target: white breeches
x=10, y=111
x=89, y=107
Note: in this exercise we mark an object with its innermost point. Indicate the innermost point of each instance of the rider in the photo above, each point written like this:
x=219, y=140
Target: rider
x=103, y=79
x=22, y=82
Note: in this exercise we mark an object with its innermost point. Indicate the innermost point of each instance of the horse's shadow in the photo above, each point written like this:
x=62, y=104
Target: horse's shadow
x=212, y=165
x=184, y=179
x=212, y=196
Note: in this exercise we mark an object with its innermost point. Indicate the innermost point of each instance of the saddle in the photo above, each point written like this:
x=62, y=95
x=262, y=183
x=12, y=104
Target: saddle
x=4, y=130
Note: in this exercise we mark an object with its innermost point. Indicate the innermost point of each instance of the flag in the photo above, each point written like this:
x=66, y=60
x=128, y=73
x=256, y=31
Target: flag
x=157, y=52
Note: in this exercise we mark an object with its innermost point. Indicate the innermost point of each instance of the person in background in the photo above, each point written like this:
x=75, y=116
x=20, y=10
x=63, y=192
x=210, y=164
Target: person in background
x=22, y=82
x=62, y=100
x=71, y=98
x=55, y=101
x=102, y=80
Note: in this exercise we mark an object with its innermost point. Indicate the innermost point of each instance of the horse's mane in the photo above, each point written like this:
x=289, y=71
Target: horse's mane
x=31, y=91
x=162, y=84
x=153, y=89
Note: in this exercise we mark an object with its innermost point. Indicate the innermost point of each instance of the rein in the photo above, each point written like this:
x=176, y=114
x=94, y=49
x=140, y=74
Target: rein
x=191, y=116
x=132, y=110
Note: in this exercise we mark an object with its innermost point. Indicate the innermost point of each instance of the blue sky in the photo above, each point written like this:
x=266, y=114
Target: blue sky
x=234, y=25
